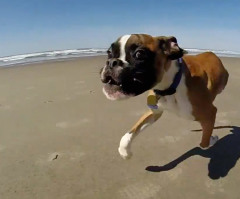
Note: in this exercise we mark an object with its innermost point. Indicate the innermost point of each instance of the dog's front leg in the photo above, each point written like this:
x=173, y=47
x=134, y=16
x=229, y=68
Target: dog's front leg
x=148, y=118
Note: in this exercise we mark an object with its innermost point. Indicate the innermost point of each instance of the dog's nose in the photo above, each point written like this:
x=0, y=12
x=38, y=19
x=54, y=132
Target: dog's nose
x=114, y=62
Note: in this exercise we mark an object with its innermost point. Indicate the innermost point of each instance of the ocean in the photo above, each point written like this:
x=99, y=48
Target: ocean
x=84, y=52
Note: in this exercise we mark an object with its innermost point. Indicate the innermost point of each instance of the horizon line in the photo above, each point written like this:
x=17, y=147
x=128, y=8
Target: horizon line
x=45, y=51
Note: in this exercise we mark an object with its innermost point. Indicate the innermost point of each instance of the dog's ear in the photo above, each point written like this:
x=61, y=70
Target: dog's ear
x=170, y=47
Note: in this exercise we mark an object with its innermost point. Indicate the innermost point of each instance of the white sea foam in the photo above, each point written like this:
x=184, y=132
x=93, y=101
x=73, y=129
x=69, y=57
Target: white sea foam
x=223, y=53
x=73, y=53
x=49, y=55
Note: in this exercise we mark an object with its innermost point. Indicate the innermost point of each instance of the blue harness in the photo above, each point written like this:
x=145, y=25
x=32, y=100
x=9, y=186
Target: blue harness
x=172, y=88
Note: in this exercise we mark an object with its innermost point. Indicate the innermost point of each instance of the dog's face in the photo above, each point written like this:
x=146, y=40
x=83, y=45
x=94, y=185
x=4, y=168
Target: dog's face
x=136, y=63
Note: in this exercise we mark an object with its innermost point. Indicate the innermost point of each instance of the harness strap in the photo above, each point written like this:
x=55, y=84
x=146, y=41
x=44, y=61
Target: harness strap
x=172, y=88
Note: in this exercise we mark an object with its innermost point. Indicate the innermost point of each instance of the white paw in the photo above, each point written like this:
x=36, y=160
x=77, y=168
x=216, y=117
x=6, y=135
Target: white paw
x=124, y=146
x=125, y=153
x=213, y=140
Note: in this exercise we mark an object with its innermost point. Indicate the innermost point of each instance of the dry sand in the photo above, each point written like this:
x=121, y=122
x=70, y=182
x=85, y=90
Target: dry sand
x=59, y=137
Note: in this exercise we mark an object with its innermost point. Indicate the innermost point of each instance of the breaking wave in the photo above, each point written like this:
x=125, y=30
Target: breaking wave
x=74, y=53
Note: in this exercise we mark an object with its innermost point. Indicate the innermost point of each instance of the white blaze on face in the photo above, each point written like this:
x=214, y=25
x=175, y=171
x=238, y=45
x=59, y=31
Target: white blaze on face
x=123, y=40
x=111, y=93
x=122, y=43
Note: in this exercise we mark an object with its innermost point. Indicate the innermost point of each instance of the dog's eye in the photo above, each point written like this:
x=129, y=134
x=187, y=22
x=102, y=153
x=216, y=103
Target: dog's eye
x=140, y=54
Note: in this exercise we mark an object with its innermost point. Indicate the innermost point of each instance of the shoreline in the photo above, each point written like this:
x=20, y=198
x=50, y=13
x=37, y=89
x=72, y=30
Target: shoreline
x=77, y=58
x=50, y=61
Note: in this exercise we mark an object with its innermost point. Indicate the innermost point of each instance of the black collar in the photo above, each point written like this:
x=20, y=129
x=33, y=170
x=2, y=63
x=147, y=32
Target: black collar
x=172, y=88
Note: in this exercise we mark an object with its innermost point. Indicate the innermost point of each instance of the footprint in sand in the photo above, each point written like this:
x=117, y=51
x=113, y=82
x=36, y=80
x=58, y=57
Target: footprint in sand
x=223, y=122
x=169, y=139
x=30, y=88
x=66, y=124
x=222, y=114
x=67, y=98
x=139, y=191
x=2, y=147
x=5, y=107
x=214, y=186
x=79, y=82
x=48, y=101
x=137, y=113
x=75, y=155
x=174, y=173
x=221, y=118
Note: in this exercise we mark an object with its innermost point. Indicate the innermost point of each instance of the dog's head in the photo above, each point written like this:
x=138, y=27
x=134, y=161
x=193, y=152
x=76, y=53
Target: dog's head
x=136, y=64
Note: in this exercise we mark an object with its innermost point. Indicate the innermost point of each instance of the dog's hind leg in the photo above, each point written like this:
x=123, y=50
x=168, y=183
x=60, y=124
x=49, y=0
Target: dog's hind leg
x=148, y=118
x=207, y=126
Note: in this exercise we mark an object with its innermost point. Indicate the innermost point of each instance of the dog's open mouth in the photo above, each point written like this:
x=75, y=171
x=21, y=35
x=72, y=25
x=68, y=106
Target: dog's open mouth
x=114, y=89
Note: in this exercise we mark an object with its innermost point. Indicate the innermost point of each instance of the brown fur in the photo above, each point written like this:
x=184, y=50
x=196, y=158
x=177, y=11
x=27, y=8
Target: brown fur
x=210, y=69
x=205, y=78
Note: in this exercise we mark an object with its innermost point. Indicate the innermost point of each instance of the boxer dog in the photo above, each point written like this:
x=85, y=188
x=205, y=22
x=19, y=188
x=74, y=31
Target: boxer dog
x=184, y=84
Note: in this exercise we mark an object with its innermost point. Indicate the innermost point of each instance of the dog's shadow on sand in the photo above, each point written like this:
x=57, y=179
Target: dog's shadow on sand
x=223, y=155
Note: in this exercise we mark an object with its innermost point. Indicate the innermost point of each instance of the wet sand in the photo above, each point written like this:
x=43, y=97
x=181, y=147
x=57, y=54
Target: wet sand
x=59, y=137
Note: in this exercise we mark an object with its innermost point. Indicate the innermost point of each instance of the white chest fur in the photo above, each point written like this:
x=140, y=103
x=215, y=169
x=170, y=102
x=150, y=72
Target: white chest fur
x=179, y=102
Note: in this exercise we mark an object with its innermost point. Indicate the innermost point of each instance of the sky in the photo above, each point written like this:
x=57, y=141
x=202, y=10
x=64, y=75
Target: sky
x=41, y=25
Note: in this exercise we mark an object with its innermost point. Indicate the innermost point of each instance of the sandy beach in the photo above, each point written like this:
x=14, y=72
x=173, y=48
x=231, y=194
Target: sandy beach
x=59, y=137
